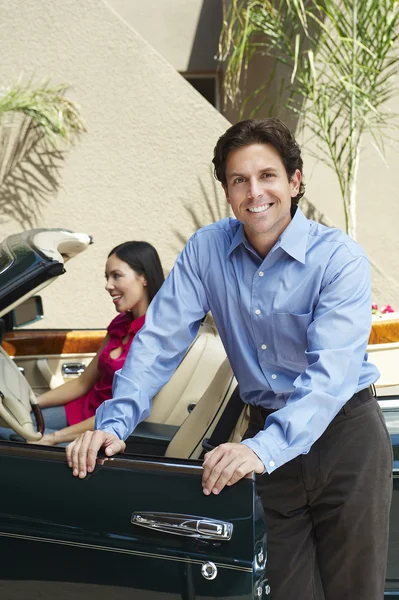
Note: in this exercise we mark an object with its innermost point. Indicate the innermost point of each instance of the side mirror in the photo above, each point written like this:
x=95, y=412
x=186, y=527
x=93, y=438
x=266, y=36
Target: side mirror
x=30, y=311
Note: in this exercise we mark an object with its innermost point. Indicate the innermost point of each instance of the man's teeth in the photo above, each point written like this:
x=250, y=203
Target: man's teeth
x=259, y=209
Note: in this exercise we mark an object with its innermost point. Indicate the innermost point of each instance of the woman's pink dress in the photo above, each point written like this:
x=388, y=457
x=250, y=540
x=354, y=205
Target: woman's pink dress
x=85, y=407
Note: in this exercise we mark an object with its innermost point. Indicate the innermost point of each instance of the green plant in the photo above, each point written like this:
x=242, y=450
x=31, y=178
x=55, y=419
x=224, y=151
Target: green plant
x=45, y=116
x=342, y=59
x=37, y=122
x=48, y=107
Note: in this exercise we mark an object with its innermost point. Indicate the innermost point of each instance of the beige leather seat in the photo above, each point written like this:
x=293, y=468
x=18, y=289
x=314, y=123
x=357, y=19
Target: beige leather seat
x=200, y=423
x=204, y=378
x=191, y=378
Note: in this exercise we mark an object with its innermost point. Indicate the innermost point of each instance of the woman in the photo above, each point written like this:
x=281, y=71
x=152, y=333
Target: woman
x=133, y=275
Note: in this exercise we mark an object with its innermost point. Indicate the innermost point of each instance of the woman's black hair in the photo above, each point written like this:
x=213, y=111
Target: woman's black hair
x=144, y=260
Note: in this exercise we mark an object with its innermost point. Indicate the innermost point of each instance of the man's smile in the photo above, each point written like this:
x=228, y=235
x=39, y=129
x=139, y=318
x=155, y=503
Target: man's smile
x=259, y=209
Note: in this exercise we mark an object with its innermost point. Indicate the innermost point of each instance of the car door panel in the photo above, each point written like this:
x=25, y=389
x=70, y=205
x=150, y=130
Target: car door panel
x=48, y=372
x=97, y=575
x=42, y=354
x=57, y=529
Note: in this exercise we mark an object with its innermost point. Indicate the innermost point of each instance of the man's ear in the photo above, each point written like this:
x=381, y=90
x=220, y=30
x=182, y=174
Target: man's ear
x=295, y=183
x=226, y=192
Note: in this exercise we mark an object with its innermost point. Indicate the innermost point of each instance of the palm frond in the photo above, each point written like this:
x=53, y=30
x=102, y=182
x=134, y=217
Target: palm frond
x=36, y=123
x=343, y=59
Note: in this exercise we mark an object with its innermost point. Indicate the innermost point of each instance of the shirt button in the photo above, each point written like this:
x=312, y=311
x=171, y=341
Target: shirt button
x=257, y=312
x=272, y=463
x=274, y=376
x=263, y=346
x=261, y=273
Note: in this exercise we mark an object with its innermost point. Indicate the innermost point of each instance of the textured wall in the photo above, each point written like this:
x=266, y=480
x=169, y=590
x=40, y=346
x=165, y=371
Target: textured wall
x=184, y=32
x=143, y=169
x=377, y=209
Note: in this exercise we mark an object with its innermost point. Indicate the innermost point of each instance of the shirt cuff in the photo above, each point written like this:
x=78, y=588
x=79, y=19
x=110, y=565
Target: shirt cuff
x=116, y=417
x=110, y=429
x=266, y=450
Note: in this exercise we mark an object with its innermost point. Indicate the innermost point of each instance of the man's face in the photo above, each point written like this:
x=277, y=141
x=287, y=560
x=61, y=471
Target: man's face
x=259, y=191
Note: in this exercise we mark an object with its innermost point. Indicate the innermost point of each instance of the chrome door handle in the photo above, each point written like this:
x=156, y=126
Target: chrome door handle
x=72, y=369
x=186, y=525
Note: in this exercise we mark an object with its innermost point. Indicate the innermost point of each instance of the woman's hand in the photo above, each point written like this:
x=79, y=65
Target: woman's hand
x=47, y=439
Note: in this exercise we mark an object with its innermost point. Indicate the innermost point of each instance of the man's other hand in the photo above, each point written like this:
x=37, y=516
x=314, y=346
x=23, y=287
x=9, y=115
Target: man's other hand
x=82, y=452
x=227, y=464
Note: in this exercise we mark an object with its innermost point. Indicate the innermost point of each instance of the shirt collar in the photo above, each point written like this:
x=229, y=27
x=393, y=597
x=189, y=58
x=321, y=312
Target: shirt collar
x=238, y=238
x=293, y=240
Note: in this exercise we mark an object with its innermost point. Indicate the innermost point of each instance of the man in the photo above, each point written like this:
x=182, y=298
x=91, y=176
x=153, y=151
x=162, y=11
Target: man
x=291, y=300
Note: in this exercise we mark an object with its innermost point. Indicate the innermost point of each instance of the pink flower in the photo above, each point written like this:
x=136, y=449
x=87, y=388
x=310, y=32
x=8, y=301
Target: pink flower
x=374, y=307
x=387, y=309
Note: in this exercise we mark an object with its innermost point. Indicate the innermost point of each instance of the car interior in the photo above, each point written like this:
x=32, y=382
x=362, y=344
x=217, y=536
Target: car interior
x=184, y=412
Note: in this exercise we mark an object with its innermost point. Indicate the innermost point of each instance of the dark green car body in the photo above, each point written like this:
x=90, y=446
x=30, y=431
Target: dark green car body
x=61, y=537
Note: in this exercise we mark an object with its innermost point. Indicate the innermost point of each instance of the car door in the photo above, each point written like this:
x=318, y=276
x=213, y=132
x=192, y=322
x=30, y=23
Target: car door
x=390, y=409
x=136, y=528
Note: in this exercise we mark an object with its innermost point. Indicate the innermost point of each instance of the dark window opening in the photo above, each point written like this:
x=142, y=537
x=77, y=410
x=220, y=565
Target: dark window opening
x=206, y=85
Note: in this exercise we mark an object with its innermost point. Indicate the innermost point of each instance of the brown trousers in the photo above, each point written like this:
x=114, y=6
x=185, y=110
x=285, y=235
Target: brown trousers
x=327, y=512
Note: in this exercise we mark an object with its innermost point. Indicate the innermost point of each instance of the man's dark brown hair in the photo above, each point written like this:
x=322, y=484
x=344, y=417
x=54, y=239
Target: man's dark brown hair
x=260, y=131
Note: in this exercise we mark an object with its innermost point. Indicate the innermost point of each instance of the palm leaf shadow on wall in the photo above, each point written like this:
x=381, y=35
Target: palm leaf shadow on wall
x=213, y=208
x=37, y=125
x=29, y=170
x=314, y=213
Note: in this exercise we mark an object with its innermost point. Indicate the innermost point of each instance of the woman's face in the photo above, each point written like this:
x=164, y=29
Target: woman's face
x=127, y=289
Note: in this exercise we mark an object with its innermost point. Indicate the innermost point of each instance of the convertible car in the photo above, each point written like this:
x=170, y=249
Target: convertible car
x=139, y=526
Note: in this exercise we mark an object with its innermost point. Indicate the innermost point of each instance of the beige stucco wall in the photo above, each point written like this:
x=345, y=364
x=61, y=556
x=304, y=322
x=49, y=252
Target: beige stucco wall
x=123, y=180
x=377, y=209
x=184, y=32
x=143, y=169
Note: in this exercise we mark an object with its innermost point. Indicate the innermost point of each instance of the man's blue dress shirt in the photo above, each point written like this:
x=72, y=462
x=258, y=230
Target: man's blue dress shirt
x=295, y=326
